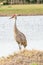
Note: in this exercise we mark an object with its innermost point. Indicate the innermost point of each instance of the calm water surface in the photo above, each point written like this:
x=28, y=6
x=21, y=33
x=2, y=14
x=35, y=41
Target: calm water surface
x=31, y=26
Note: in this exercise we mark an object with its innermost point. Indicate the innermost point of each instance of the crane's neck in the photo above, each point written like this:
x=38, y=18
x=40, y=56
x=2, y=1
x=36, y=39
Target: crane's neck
x=15, y=26
x=15, y=23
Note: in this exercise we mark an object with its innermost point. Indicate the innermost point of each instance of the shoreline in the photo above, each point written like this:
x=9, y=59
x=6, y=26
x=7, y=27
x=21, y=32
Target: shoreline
x=23, y=15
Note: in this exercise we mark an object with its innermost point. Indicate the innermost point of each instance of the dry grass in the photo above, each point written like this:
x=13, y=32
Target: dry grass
x=25, y=57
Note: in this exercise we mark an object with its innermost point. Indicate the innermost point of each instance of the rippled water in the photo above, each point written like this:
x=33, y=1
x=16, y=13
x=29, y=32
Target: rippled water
x=31, y=26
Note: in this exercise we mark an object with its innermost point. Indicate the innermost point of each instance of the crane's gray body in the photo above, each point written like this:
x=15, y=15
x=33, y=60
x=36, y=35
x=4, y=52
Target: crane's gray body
x=19, y=36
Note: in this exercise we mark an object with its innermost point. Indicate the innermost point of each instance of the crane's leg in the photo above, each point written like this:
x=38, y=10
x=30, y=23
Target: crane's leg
x=20, y=46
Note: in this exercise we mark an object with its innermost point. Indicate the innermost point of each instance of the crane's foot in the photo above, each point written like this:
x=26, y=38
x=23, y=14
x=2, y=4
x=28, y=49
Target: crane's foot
x=19, y=46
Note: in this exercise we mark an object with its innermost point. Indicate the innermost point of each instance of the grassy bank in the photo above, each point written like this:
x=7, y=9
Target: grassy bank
x=32, y=9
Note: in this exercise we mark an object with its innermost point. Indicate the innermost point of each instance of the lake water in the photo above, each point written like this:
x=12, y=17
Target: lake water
x=31, y=26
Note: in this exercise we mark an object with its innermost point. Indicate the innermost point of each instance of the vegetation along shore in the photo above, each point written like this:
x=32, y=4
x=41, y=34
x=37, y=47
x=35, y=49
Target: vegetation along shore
x=25, y=57
x=31, y=9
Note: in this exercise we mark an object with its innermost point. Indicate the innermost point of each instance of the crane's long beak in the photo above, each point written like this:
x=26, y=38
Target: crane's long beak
x=12, y=17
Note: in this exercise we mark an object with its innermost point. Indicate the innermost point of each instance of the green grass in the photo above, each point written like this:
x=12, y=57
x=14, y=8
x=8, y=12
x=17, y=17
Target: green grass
x=34, y=64
x=32, y=9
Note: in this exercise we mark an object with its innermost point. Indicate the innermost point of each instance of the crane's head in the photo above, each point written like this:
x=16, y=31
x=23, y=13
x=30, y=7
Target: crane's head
x=14, y=16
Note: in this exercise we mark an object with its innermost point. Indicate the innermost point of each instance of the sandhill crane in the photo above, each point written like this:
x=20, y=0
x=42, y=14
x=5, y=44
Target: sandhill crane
x=19, y=36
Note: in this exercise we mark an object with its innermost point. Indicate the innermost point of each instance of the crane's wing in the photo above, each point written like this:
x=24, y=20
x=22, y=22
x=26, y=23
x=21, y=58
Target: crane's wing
x=20, y=37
